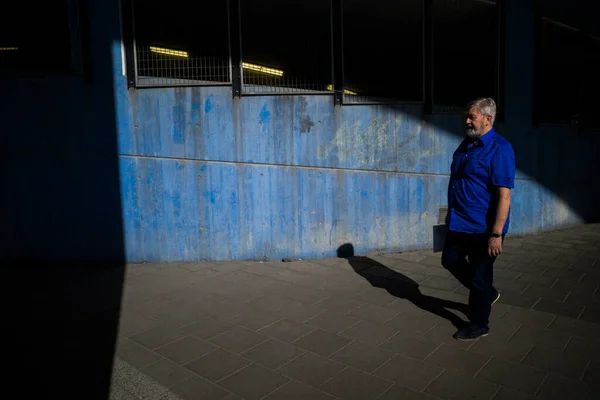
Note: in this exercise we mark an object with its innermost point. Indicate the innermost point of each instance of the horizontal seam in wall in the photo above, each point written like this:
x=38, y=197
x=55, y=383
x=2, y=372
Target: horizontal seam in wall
x=356, y=170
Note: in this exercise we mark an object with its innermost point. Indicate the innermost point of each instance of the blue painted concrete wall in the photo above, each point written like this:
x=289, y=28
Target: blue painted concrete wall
x=209, y=177
x=96, y=171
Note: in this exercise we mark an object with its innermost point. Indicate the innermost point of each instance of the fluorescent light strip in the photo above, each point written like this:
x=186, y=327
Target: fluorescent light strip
x=263, y=69
x=346, y=91
x=8, y=48
x=169, y=52
x=568, y=27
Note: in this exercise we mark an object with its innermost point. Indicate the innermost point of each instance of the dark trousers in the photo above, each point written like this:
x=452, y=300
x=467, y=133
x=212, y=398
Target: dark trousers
x=465, y=256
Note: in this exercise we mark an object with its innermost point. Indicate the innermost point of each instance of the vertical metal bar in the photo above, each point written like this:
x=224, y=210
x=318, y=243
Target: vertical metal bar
x=585, y=64
x=428, y=55
x=537, y=64
x=337, y=51
x=86, y=41
x=75, y=37
x=229, y=37
x=501, y=32
x=129, y=42
x=235, y=28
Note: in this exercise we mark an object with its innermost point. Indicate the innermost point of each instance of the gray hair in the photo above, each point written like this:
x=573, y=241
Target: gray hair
x=486, y=106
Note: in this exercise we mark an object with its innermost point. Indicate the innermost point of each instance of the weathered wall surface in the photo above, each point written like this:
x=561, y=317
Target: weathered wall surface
x=207, y=177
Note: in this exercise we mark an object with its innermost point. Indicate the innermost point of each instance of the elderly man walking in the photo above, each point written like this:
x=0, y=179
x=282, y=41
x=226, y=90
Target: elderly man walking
x=479, y=195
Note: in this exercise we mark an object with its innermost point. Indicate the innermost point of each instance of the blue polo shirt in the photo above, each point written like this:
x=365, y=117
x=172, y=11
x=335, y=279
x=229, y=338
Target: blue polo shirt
x=477, y=170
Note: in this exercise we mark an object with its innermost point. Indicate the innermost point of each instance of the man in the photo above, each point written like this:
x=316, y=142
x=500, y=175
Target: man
x=479, y=192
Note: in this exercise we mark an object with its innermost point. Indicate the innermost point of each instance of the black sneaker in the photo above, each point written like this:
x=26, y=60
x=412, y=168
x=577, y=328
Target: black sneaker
x=471, y=332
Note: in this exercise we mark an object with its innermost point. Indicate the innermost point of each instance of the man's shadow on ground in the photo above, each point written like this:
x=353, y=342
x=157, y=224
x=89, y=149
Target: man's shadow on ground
x=401, y=286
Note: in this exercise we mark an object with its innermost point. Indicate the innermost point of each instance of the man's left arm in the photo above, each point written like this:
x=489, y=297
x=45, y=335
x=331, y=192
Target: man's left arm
x=503, y=179
x=502, y=209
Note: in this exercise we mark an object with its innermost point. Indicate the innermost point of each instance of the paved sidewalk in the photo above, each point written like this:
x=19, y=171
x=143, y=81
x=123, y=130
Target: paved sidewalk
x=361, y=328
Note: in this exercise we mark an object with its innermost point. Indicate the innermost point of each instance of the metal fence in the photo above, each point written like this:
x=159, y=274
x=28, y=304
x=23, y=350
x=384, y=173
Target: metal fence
x=161, y=66
x=278, y=58
x=264, y=79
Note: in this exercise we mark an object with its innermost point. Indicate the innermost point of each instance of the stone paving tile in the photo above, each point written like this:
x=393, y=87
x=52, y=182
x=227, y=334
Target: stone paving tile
x=502, y=348
x=332, y=321
x=139, y=356
x=374, y=313
x=443, y=334
x=442, y=283
x=351, y=384
x=362, y=356
x=269, y=319
x=369, y=332
x=217, y=365
x=255, y=319
x=546, y=292
x=375, y=296
x=584, y=298
x=458, y=386
x=528, y=317
x=124, y=343
x=167, y=373
x=286, y=330
x=514, y=376
x=198, y=388
x=311, y=369
x=592, y=375
x=409, y=372
x=299, y=312
x=517, y=299
x=253, y=382
x=556, y=387
x=590, y=347
x=585, y=284
x=558, y=362
x=544, y=279
x=399, y=392
x=507, y=273
x=222, y=307
x=186, y=349
x=542, y=338
x=414, y=347
x=513, y=285
x=238, y=339
x=273, y=353
x=508, y=394
x=499, y=310
x=563, y=274
x=558, y=308
x=297, y=391
x=412, y=325
x=322, y=342
x=581, y=261
x=340, y=304
x=458, y=360
x=575, y=327
x=134, y=322
x=591, y=314
x=208, y=327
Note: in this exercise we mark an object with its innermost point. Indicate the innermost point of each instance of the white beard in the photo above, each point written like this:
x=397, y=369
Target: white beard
x=472, y=133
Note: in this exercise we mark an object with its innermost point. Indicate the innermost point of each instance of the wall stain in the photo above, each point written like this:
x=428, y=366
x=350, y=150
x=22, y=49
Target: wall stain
x=305, y=123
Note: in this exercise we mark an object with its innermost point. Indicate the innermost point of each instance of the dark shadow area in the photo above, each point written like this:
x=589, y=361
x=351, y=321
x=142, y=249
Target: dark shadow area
x=61, y=229
x=401, y=286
